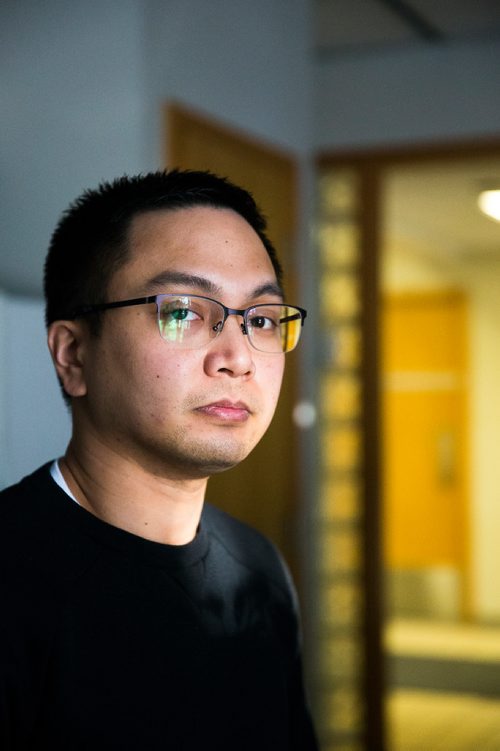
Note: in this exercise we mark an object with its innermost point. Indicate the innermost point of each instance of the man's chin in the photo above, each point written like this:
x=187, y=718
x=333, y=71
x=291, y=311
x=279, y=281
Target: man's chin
x=217, y=459
x=200, y=458
x=217, y=467
x=213, y=465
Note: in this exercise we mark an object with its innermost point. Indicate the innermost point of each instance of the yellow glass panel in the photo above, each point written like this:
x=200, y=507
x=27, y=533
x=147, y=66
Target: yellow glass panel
x=340, y=499
x=341, y=604
x=341, y=657
x=347, y=346
x=338, y=244
x=340, y=612
x=340, y=395
x=342, y=710
x=339, y=295
x=340, y=551
x=338, y=192
x=341, y=447
x=344, y=746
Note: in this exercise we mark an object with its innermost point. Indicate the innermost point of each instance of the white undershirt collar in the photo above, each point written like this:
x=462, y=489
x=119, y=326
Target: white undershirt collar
x=57, y=475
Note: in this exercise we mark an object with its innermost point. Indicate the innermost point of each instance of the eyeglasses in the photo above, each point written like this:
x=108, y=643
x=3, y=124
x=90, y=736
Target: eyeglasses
x=193, y=321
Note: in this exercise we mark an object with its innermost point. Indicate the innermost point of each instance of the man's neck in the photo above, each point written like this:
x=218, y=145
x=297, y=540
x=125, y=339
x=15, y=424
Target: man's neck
x=124, y=494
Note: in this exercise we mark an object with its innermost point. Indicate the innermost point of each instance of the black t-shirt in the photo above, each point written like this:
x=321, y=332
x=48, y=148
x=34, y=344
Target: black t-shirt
x=110, y=641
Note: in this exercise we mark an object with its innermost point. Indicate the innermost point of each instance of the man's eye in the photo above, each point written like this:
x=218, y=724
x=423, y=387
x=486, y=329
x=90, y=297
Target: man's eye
x=180, y=315
x=263, y=322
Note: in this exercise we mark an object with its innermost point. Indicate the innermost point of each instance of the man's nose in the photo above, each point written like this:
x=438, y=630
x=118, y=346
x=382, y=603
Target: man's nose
x=230, y=352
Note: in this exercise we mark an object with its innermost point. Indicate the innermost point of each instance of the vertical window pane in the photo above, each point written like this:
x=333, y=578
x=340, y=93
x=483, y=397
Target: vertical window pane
x=339, y=552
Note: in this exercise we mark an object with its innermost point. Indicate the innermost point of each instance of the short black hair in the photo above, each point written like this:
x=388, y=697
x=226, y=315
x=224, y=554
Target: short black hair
x=90, y=242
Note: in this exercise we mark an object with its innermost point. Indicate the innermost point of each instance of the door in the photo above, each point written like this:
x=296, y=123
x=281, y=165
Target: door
x=424, y=439
x=263, y=489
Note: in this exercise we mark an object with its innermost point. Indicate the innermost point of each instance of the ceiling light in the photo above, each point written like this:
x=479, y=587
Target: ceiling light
x=489, y=203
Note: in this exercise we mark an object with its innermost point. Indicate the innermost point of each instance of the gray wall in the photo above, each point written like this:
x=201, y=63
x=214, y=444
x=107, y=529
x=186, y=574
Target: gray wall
x=71, y=86
x=82, y=86
x=34, y=426
x=423, y=93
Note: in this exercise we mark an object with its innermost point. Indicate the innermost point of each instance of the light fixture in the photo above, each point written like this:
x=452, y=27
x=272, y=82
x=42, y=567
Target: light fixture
x=489, y=203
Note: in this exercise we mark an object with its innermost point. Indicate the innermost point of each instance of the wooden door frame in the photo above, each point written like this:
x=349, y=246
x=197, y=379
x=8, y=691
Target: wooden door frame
x=370, y=165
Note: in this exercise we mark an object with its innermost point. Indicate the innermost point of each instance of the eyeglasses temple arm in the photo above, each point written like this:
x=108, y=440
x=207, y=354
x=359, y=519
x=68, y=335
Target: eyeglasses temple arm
x=87, y=309
x=301, y=314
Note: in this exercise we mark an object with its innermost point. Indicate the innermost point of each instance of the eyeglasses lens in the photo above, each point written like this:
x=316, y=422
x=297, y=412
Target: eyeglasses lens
x=274, y=328
x=187, y=321
x=192, y=322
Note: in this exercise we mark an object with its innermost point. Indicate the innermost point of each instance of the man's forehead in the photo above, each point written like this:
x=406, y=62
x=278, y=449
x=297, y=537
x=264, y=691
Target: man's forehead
x=186, y=243
x=186, y=217
x=181, y=228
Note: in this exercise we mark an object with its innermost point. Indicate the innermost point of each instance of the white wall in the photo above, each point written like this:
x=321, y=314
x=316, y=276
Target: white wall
x=245, y=62
x=3, y=391
x=429, y=92
x=71, y=87
x=82, y=86
x=35, y=424
x=72, y=114
x=485, y=422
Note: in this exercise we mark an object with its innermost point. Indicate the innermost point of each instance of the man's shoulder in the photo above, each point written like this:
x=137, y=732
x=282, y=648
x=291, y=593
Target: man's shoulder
x=247, y=546
x=37, y=538
x=17, y=500
x=237, y=536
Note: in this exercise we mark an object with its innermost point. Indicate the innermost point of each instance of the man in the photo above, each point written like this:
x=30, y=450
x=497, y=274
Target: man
x=135, y=616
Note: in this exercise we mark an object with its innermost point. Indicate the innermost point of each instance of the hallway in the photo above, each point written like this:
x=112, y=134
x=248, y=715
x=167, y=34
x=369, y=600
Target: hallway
x=464, y=661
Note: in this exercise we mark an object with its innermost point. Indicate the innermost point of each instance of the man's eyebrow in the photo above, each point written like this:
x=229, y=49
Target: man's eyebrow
x=165, y=278
x=269, y=288
x=162, y=280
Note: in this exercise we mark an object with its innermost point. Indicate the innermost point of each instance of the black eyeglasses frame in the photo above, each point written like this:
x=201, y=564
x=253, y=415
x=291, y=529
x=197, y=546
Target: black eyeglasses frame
x=84, y=310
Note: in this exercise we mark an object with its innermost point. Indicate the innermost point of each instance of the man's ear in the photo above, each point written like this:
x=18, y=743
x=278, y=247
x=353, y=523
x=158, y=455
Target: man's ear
x=66, y=345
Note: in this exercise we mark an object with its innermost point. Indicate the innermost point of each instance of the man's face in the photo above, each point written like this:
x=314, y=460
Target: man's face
x=179, y=412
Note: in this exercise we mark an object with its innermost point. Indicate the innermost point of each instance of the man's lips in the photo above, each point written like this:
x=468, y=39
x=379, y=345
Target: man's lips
x=226, y=410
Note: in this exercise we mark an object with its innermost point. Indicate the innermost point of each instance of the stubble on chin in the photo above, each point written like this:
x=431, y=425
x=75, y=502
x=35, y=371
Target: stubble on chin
x=205, y=457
